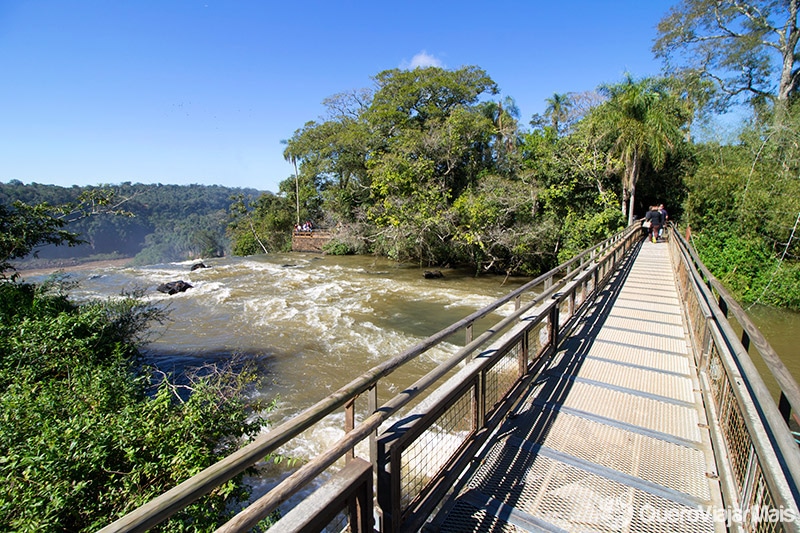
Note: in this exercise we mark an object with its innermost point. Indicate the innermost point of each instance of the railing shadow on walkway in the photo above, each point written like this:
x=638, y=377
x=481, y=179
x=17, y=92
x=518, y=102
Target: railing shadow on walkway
x=530, y=422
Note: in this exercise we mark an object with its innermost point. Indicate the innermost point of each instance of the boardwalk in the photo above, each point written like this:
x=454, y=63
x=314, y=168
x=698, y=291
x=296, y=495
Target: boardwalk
x=613, y=436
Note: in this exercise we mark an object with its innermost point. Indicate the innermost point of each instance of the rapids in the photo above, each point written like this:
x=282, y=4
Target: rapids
x=311, y=322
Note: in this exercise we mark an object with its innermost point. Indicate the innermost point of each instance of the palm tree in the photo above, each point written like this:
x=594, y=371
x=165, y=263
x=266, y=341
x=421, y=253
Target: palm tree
x=643, y=123
x=290, y=155
x=557, y=110
x=505, y=117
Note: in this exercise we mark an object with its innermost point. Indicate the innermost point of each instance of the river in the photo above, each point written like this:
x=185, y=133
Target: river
x=311, y=322
x=314, y=322
x=782, y=330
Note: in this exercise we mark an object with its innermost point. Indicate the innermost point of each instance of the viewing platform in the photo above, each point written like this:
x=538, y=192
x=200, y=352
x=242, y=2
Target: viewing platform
x=310, y=241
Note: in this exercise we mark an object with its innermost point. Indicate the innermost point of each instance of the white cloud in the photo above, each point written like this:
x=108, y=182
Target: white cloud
x=422, y=60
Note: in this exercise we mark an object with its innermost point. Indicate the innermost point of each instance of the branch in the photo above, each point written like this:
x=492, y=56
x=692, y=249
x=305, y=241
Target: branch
x=754, y=15
x=253, y=229
x=736, y=91
x=722, y=26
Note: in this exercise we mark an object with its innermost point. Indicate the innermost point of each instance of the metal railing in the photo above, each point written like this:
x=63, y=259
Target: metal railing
x=422, y=454
x=417, y=457
x=544, y=310
x=757, y=458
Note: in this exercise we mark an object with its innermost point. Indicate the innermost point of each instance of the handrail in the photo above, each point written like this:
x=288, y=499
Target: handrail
x=769, y=435
x=250, y=516
x=172, y=501
x=472, y=382
x=790, y=391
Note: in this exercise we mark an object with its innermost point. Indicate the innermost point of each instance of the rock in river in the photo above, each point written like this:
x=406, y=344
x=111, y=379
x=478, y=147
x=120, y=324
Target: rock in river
x=173, y=287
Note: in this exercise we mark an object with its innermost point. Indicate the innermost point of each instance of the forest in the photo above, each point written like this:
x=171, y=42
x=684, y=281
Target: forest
x=433, y=167
x=150, y=223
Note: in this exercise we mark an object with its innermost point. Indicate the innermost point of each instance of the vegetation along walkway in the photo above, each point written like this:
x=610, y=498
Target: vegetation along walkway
x=613, y=436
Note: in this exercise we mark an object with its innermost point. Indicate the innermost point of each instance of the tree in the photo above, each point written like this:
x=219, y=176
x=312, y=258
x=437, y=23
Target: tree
x=431, y=146
x=412, y=98
x=89, y=433
x=504, y=115
x=642, y=122
x=263, y=225
x=557, y=110
x=746, y=47
x=290, y=155
x=24, y=227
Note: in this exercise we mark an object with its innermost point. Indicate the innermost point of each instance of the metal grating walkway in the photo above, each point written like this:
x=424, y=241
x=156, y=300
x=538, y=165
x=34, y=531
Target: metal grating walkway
x=612, y=437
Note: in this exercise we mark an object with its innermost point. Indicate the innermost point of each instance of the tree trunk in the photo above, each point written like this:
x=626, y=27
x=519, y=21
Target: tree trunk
x=624, y=205
x=630, y=207
x=296, y=188
x=631, y=177
x=789, y=79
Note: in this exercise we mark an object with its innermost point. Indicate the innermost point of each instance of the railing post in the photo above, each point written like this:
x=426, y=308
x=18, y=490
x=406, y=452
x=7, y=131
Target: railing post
x=372, y=407
x=479, y=409
x=723, y=305
x=468, y=335
x=554, y=312
x=785, y=407
x=388, y=488
x=360, y=509
x=349, y=425
x=524, y=354
x=571, y=303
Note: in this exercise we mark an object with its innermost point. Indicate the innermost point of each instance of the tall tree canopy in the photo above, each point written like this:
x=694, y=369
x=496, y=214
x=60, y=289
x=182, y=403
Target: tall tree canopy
x=642, y=122
x=747, y=47
x=431, y=166
x=557, y=110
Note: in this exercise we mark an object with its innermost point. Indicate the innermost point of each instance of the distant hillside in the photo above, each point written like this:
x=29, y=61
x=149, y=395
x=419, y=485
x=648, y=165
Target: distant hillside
x=169, y=222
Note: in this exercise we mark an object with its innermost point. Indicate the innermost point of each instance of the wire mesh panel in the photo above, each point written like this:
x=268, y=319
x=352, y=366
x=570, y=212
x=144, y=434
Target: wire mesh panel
x=762, y=514
x=565, y=310
x=736, y=436
x=694, y=312
x=730, y=420
x=501, y=376
x=539, y=338
x=759, y=511
x=424, y=457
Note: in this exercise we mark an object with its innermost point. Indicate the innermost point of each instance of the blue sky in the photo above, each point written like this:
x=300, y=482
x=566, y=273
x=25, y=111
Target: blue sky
x=204, y=91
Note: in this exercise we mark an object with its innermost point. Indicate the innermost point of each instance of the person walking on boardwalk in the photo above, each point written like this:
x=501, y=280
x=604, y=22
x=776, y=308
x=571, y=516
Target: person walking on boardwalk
x=656, y=219
x=664, y=218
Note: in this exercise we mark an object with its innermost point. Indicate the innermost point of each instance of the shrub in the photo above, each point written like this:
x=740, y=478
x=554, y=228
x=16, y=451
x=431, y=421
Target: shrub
x=88, y=433
x=748, y=268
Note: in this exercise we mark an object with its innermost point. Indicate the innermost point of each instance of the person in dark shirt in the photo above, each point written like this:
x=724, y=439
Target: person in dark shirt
x=664, y=218
x=655, y=218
